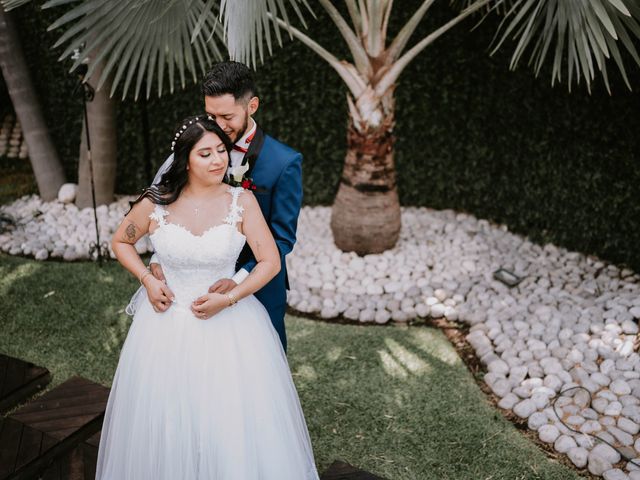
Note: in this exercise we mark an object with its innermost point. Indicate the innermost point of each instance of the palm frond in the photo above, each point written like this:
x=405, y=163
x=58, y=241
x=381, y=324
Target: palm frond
x=350, y=37
x=347, y=71
x=140, y=39
x=400, y=42
x=585, y=36
x=378, y=12
x=11, y=4
x=391, y=75
x=498, y=6
x=247, y=25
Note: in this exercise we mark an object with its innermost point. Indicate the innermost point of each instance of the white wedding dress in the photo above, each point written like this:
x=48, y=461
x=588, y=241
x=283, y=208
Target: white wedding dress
x=200, y=399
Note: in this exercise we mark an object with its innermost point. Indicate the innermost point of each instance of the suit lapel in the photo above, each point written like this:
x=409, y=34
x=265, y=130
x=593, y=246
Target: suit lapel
x=255, y=147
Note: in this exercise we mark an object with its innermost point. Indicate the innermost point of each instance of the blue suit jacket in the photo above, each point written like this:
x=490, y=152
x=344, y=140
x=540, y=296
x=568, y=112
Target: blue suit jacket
x=276, y=171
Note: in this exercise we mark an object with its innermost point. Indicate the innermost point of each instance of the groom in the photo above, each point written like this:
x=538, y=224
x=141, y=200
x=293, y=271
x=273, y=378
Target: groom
x=230, y=97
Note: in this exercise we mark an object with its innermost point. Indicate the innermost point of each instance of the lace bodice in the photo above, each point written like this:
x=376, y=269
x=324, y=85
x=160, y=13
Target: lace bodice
x=192, y=263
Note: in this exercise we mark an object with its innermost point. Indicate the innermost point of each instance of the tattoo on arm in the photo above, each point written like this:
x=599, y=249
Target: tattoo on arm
x=130, y=233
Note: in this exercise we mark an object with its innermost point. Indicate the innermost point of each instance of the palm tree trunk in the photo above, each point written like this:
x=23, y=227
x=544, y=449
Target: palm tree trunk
x=101, y=114
x=42, y=154
x=366, y=212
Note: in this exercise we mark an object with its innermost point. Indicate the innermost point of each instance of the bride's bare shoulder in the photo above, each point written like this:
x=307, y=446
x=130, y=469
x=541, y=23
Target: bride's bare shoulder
x=144, y=207
x=247, y=200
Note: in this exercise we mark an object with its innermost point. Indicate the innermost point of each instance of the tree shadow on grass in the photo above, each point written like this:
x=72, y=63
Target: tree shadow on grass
x=400, y=403
x=67, y=317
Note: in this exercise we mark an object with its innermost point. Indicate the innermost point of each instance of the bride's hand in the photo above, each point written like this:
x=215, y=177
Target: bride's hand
x=208, y=305
x=160, y=295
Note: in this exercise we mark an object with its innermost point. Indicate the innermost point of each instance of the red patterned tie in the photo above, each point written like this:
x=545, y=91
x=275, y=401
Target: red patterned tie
x=238, y=148
x=247, y=141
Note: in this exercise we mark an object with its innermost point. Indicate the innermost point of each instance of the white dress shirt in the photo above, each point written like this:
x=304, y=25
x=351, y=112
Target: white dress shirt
x=236, y=156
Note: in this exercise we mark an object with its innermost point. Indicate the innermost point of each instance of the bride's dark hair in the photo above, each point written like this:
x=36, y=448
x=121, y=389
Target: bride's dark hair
x=188, y=133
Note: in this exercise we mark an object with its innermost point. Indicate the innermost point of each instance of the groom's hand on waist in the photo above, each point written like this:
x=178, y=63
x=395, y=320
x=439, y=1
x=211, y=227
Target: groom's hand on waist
x=224, y=285
x=157, y=272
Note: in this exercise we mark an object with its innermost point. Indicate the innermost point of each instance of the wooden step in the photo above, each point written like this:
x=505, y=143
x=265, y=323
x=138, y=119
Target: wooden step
x=19, y=380
x=79, y=464
x=45, y=433
x=89, y=453
x=67, y=467
x=340, y=470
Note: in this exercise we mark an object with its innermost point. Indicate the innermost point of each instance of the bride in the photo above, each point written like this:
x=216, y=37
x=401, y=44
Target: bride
x=202, y=390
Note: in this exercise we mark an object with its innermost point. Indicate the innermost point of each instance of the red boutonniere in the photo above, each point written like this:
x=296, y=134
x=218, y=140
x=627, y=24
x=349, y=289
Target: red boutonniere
x=248, y=184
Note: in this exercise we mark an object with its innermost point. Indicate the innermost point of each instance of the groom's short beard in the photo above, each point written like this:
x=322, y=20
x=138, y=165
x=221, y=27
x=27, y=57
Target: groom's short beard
x=245, y=125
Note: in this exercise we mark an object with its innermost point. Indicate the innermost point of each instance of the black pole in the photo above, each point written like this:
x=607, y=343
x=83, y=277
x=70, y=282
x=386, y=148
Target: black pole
x=87, y=87
x=97, y=248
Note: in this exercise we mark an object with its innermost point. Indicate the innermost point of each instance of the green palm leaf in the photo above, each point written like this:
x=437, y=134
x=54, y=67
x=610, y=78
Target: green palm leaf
x=141, y=40
x=11, y=4
x=586, y=34
x=248, y=25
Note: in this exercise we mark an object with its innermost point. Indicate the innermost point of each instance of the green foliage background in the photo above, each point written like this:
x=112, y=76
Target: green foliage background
x=471, y=135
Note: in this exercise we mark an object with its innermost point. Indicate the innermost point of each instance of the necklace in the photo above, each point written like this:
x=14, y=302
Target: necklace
x=197, y=206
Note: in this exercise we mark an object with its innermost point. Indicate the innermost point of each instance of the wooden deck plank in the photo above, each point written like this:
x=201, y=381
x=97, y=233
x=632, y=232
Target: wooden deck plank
x=68, y=405
x=54, y=397
x=90, y=460
x=4, y=363
x=48, y=443
x=69, y=391
x=29, y=448
x=16, y=371
x=10, y=435
x=94, y=440
x=74, y=407
x=64, y=418
x=72, y=382
x=79, y=396
x=53, y=462
x=68, y=467
x=52, y=472
x=61, y=427
x=19, y=380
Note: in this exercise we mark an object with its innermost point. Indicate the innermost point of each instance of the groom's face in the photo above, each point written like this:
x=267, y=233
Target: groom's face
x=230, y=114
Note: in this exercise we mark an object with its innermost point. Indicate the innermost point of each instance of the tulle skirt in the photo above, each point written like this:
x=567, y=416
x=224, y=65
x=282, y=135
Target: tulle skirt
x=204, y=400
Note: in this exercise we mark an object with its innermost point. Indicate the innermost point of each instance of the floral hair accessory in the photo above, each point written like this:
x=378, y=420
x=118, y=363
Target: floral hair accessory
x=184, y=128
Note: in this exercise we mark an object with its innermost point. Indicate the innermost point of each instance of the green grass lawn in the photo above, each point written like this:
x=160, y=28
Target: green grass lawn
x=393, y=400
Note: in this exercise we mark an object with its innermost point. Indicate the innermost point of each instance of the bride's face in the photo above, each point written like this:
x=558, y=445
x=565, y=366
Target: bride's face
x=208, y=160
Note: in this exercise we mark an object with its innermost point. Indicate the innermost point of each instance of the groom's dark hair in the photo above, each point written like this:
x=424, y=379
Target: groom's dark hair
x=229, y=77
